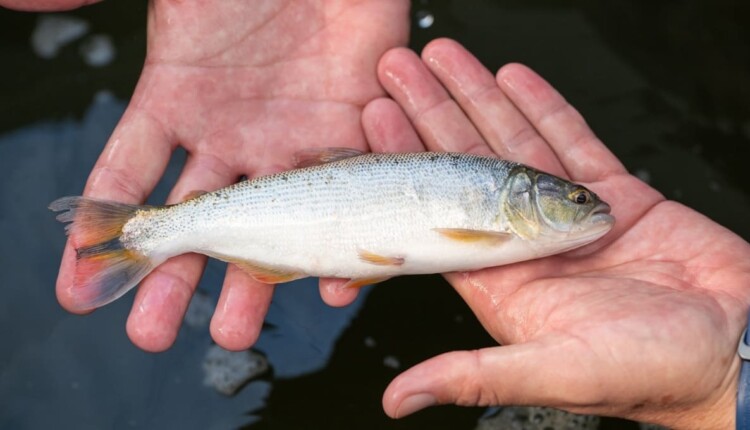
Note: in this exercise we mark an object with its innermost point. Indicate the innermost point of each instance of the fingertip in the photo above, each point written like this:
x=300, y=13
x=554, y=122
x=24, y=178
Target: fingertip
x=438, y=46
x=333, y=292
x=409, y=392
x=452, y=65
x=240, y=311
x=400, y=71
x=231, y=337
x=583, y=156
x=510, y=69
x=64, y=284
x=47, y=6
x=387, y=128
x=161, y=302
x=520, y=80
x=155, y=318
x=458, y=377
x=150, y=338
x=414, y=403
x=133, y=160
x=234, y=334
x=394, y=57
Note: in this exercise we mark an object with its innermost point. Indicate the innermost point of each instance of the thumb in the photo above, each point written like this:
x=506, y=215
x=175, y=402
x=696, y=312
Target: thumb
x=524, y=374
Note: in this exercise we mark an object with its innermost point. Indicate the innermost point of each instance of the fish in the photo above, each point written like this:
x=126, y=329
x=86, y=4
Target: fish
x=341, y=213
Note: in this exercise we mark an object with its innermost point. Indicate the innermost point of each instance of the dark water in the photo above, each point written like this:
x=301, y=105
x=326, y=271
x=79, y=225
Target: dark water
x=665, y=86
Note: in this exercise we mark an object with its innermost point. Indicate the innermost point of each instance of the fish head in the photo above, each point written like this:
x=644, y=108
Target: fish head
x=553, y=211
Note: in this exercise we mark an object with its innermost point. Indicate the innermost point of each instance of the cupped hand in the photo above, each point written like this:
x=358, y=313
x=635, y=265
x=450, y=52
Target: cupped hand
x=241, y=87
x=45, y=5
x=643, y=323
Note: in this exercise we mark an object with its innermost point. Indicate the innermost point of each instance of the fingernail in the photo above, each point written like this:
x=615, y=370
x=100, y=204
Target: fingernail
x=414, y=403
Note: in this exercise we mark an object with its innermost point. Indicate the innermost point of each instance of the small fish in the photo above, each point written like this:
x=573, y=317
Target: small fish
x=364, y=217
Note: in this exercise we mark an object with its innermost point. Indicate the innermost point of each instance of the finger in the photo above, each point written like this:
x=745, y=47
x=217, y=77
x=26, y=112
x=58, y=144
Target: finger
x=487, y=292
x=129, y=167
x=334, y=294
x=45, y=5
x=440, y=122
x=581, y=153
x=500, y=123
x=388, y=129
x=240, y=311
x=243, y=302
x=132, y=162
x=514, y=374
x=164, y=295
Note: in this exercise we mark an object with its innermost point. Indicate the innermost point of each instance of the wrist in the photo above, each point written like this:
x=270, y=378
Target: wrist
x=743, y=384
x=716, y=411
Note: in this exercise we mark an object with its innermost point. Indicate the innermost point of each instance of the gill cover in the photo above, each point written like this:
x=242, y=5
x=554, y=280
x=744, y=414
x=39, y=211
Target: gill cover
x=519, y=208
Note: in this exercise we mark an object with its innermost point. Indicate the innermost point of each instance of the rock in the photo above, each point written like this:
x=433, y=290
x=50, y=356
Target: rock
x=536, y=418
x=98, y=50
x=199, y=312
x=227, y=371
x=52, y=32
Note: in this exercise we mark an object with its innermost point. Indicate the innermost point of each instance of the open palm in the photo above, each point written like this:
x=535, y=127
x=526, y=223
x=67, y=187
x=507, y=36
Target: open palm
x=241, y=87
x=643, y=323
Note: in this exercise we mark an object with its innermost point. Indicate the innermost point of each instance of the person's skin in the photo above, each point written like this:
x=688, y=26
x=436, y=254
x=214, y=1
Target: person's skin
x=45, y=5
x=642, y=324
x=241, y=86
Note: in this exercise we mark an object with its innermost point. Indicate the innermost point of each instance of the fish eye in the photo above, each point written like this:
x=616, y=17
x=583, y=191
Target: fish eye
x=580, y=197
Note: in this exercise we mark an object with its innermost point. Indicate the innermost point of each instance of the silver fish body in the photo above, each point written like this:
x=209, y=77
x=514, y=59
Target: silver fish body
x=369, y=217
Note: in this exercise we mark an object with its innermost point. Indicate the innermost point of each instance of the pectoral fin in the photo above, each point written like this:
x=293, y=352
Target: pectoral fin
x=474, y=236
x=317, y=156
x=380, y=260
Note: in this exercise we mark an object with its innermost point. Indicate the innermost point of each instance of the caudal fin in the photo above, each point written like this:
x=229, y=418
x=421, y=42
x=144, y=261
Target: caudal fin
x=105, y=269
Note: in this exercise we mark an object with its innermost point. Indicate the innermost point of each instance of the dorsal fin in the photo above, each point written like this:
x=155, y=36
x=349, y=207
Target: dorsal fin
x=317, y=156
x=194, y=194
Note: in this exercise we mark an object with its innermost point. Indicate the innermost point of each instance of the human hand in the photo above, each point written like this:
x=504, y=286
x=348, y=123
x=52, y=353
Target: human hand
x=241, y=88
x=642, y=324
x=45, y=5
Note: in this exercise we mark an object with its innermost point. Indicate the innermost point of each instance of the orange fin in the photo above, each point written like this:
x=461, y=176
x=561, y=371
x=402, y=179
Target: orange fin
x=105, y=269
x=361, y=282
x=194, y=194
x=474, y=236
x=93, y=221
x=380, y=260
x=317, y=156
x=266, y=274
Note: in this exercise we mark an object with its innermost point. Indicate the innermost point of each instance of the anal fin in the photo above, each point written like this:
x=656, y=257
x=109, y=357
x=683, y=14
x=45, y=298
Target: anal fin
x=266, y=274
x=361, y=282
x=262, y=272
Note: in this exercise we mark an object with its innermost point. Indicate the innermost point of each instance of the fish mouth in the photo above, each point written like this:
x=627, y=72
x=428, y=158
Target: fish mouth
x=601, y=215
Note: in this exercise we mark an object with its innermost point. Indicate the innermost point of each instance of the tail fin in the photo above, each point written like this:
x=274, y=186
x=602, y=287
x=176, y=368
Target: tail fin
x=105, y=269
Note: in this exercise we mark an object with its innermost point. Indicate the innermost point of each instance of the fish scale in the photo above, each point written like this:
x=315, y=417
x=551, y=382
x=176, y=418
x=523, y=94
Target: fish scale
x=365, y=217
x=378, y=202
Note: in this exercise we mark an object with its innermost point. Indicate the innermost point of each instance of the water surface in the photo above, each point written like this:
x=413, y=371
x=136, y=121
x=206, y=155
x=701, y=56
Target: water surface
x=666, y=87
